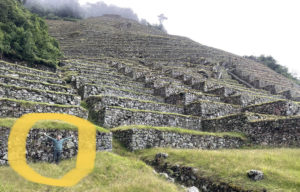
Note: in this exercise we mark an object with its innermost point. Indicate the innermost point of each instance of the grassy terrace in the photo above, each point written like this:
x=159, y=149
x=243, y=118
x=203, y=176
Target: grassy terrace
x=46, y=124
x=35, y=90
x=180, y=131
x=249, y=115
x=280, y=166
x=28, y=68
x=217, y=103
x=32, y=103
x=125, y=90
x=131, y=99
x=157, y=112
x=34, y=81
x=29, y=74
x=112, y=173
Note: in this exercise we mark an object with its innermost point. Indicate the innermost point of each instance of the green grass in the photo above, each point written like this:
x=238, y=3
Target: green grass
x=46, y=124
x=112, y=173
x=280, y=166
x=180, y=130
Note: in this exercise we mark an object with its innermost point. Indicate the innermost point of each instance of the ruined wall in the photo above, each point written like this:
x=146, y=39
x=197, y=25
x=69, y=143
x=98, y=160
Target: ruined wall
x=37, y=95
x=279, y=108
x=114, y=117
x=12, y=108
x=281, y=132
x=135, y=139
x=39, y=148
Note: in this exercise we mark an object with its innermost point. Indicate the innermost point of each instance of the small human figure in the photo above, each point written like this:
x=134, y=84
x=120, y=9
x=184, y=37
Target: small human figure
x=57, y=146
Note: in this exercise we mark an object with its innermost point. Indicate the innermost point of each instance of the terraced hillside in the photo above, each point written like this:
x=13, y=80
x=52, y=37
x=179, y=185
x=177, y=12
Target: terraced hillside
x=116, y=37
x=150, y=89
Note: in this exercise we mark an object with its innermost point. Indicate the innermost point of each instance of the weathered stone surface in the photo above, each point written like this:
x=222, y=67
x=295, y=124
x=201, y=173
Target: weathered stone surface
x=20, y=68
x=184, y=98
x=29, y=76
x=15, y=108
x=136, y=139
x=255, y=175
x=91, y=90
x=281, y=132
x=209, y=109
x=35, y=84
x=39, y=148
x=245, y=100
x=192, y=189
x=286, y=108
x=97, y=103
x=23, y=93
x=114, y=117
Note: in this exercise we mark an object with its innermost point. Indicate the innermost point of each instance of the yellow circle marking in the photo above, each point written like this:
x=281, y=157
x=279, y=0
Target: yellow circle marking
x=86, y=149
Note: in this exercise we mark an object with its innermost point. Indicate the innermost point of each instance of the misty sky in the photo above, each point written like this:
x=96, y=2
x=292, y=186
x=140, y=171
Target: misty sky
x=243, y=27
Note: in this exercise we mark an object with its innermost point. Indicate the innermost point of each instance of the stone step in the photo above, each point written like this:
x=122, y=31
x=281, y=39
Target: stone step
x=92, y=90
x=280, y=108
x=117, y=116
x=86, y=64
x=33, y=84
x=232, y=123
x=210, y=109
x=89, y=70
x=124, y=87
x=37, y=95
x=82, y=80
x=226, y=92
x=103, y=75
x=246, y=100
x=143, y=137
x=185, y=98
x=29, y=76
x=17, y=108
x=96, y=103
x=23, y=69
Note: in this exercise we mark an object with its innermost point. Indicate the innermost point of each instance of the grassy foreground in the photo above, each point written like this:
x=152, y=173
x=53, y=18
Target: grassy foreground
x=280, y=166
x=112, y=173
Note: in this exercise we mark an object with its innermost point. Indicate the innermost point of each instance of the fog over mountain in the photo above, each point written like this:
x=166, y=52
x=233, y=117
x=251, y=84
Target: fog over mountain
x=72, y=8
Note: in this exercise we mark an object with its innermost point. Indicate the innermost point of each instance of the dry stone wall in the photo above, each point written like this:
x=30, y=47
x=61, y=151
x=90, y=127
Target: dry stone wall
x=14, y=108
x=39, y=148
x=97, y=103
x=136, y=139
x=115, y=116
x=279, y=108
x=281, y=132
x=35, y=84
x=208, y=109
x=22, y=93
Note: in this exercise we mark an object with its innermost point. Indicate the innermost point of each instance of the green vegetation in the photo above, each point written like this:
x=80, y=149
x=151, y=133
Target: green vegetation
x=112, y=173
x=280, y=166
x=181, y=131
x=24, y=36
x=46, y=124
x=270, y=62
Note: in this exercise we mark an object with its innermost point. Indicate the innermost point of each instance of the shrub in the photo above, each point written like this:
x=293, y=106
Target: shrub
x=24, y=36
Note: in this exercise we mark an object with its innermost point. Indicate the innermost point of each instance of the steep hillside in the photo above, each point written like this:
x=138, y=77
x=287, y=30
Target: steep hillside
x=145, y=89
x=111, y=36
